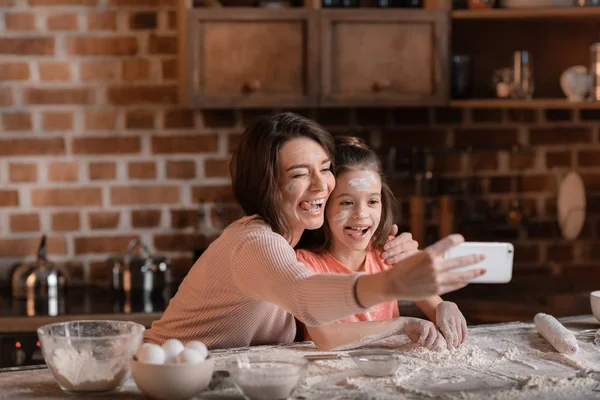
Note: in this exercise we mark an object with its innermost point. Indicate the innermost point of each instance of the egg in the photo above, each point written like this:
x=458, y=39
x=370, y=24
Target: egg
x=198, y=346
x=190, y=356
x=150, y=353
x=172, y=348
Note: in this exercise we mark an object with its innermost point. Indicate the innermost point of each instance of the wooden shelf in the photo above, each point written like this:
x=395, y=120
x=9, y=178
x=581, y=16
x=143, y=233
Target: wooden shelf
x=529, y=13
x=533, y=104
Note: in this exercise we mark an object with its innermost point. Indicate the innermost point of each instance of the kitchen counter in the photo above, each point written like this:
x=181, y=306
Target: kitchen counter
x=499, y=361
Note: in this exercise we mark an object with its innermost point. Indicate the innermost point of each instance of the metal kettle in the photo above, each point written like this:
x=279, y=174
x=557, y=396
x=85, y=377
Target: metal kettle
x=40, y=280
x=139, y=272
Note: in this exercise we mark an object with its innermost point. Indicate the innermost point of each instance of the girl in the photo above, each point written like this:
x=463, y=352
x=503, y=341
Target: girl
x=247, y=286
x=358, y=217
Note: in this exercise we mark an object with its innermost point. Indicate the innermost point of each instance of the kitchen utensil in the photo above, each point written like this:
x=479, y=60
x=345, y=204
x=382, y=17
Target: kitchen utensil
x=576, y=83
x=90, y=356
x=595, y=71
x=523, y=84
x=571, y=205
x=267, y=376
x=482, y=4
x=40, y=280
x=587, y=3
x=503, y=82
x=172, y=381
x=536, y=3
x=462, y=76
x=379, y=362
x=139, y=272
x=595, y=303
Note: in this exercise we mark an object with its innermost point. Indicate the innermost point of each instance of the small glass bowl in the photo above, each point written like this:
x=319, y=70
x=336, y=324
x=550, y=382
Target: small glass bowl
x=271, y=376
x=379, y=362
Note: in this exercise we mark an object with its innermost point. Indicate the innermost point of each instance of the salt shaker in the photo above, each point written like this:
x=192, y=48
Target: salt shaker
x=523, y=84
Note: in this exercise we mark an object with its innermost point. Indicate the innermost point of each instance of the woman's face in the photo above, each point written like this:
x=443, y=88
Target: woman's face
x=305, y=181
x=354, y=211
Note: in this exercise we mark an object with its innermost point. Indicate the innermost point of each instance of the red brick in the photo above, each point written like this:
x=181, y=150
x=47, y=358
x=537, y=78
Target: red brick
x=484, y=161
x=560, y=252
x=62, y=22
x=27, y=46
x=145, y=218
x=9, y=198
x=102, y=171
x=99, y=70
x=216, y=168
x=145, y=195
x=100, y=119
x=102, y=46
x=219, y=118
x=7, y=3
x=588, y=158
x=135, y=69
x=176, y=242
x=527, y=253
x=169, y=69
x=66, y=197
x=175, y=119
x=147, y=94
x=522, y=115
x=102, y=21
x=139, y=119
x=229, y=214
x=181, y=219
x=480, y=137
x=142, y=3
x=560, y=135
x=22, y=247
x=25, y=222
x=172, y=15
x=486, y=115
x=14, y=71
x=211, y=193
x=102, y=244
x=447, y=162
x=32, y=147
x=65, y=221
x=50, y=3
x=143, y=20
x=106, y=145
x=414, y=138
x=181, y=169
x=591, y=181
x=452, y=116
x=55, y=95
x=180, y=266
x=500, y=184
x=63, y=171
x=20, y=121
x=57, y=120
x=522, y=160
x=104, y=220
x=233, y=142
x=19, y=21
x=141, y=170
x=22, y=172
x=6, y=97
x=185, y=144
x=162, y=44
x=538, y=183
x=558, y=159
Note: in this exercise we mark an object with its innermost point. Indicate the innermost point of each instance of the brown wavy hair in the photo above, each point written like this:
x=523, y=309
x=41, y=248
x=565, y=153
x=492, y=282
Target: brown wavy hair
x=254, y=171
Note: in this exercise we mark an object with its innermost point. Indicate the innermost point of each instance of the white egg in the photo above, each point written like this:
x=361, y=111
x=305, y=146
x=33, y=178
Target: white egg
x=150, y=353
x=190, y=356
x=198, y=346
x=172, y=348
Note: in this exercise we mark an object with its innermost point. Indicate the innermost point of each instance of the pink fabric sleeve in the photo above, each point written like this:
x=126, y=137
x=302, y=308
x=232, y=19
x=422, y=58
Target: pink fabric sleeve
x=265, y=267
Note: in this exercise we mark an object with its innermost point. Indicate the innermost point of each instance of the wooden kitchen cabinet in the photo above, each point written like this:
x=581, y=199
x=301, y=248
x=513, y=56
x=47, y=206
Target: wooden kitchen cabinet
x=384, y=57
x=251, y=58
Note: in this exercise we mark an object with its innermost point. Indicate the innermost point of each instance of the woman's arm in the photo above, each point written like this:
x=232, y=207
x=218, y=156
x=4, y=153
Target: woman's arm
x=429, y=306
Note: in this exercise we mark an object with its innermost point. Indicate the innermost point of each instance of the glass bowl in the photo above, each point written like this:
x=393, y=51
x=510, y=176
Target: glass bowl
x=90, y=356
x=271, y=376
x=378, y=362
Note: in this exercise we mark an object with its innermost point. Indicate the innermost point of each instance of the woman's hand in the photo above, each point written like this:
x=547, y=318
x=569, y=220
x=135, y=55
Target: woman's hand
x=423, y=333
x=451, y=323
x=399, y=247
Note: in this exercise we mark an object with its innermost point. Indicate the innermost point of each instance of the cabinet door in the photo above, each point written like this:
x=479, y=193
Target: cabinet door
x=253, y=58
x=385, y=57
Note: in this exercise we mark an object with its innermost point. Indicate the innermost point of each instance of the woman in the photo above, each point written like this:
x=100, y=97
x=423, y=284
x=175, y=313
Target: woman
x=247, y=286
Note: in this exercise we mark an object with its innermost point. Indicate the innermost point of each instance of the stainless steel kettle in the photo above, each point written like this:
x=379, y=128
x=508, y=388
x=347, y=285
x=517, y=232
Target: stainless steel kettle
x=139, y=272
x=40, y=280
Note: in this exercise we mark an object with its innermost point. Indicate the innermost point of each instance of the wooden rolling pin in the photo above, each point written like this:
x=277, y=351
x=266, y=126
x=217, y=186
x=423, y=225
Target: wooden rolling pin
x=562, y=339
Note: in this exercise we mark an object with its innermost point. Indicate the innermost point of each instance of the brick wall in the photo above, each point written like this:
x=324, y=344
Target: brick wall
x=94, y=150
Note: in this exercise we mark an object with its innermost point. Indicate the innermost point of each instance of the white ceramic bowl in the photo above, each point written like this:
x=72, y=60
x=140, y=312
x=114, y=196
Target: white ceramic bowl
x=270, y=376
x=90, y=356
x=172, y=381
x=377, y=362
x=595, y=301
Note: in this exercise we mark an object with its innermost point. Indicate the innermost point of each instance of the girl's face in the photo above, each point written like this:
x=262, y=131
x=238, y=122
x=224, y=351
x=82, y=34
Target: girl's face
x=354, y=211
x=305, y=181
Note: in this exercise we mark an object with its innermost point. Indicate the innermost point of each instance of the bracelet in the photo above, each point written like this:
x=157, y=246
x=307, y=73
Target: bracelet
x=354, y=290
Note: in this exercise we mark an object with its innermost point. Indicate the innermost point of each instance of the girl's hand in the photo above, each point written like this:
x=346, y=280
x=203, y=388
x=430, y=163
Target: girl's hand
x=423, y=333
x=451, y=323
x=399, y=247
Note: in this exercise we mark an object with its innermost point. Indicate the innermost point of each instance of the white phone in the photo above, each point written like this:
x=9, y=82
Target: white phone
x=498, y=260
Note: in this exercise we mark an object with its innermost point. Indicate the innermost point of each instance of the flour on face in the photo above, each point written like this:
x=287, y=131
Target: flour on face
x=363, y=183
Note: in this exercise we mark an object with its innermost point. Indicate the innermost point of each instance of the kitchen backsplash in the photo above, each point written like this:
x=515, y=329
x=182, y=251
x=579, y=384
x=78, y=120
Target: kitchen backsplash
x=94, y=150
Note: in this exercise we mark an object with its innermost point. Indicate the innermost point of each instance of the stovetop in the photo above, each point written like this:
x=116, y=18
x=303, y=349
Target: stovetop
x=85, y=300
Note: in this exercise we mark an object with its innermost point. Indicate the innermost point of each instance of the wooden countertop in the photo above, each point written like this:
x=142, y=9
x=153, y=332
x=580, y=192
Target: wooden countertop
x=30, y=324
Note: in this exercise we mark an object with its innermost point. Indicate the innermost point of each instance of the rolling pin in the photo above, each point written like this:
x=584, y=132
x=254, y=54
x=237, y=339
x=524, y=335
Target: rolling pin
x=562, y=339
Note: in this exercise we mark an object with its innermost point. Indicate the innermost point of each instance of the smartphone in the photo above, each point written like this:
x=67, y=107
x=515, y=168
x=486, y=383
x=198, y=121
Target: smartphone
x=498, y=260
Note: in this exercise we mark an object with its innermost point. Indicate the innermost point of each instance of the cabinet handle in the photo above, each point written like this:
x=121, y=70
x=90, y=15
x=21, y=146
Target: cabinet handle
x=381, y=85
x=252, y=86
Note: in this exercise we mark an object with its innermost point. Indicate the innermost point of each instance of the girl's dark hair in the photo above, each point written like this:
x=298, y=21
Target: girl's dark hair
x=351, y=153
x=254, y=165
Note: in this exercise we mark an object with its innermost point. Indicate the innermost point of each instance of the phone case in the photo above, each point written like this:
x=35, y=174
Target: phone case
x=498, y=260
